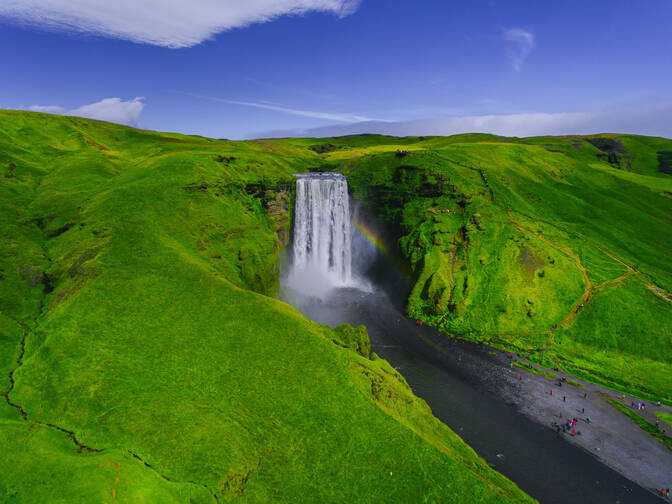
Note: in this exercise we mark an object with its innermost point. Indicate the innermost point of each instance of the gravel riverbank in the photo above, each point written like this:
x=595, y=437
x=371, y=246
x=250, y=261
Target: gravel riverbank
x=611, y=436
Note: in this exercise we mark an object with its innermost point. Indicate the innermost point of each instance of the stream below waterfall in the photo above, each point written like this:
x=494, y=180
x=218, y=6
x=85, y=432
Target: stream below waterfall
x=461, y=395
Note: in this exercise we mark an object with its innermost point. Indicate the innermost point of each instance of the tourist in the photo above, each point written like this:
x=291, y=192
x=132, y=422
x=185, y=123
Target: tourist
x=551, y=391
x=521, y=376
x=564, y=398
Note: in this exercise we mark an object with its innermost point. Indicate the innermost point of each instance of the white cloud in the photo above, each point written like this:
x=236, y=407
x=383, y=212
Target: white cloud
x=48, y=109
x=522, y=43
x=169, y=23
x=644, y=119
x=329, y=116
x=109, y=109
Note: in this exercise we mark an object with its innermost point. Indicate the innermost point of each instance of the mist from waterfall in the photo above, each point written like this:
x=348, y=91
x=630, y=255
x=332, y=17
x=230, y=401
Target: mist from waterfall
x=322, y=242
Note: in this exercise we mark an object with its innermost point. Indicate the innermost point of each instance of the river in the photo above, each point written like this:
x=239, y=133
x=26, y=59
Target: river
x=463, y=394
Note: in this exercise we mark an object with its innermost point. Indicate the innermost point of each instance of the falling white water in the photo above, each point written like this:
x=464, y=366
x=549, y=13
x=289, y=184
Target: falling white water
x=322, y=251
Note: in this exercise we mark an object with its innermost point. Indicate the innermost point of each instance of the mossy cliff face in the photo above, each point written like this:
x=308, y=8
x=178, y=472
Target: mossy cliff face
x=143, y=357
x=543, y=245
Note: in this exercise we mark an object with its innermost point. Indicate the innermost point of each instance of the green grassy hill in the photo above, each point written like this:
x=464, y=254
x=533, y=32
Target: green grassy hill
x=143, y=357
x=558, y=248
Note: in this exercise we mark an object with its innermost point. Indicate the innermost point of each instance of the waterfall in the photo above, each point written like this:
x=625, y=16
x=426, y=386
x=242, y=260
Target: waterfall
x=321, y=253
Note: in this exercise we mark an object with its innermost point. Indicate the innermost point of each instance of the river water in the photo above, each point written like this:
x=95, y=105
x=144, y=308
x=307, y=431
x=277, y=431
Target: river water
x=462, y=393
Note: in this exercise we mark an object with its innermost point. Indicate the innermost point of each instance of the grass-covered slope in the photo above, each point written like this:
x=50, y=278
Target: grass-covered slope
x=144, y=359
x=551, y=246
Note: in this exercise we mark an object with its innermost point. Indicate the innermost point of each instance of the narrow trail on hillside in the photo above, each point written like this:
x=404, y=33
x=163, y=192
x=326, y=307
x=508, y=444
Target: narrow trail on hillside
x=589, y=290
x=116, y=481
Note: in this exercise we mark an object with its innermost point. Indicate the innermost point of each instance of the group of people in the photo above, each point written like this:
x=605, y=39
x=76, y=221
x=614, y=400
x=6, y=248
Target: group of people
x=569, y=426
x=664, y=294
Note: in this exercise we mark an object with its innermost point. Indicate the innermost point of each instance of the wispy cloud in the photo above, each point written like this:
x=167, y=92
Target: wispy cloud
x=48, y=109
x=329, y=116
x=169, y=23
x=113, y=110
x=644, y=119
x=521, y=45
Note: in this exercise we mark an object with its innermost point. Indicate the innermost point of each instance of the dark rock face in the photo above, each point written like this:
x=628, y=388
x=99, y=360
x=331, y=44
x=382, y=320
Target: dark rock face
x=607, y=145
x=61, y=230
x=34, y=277
x=612, y=150
x=665, y=162
x=324, y=148
x=276, y=199
x=225, y=159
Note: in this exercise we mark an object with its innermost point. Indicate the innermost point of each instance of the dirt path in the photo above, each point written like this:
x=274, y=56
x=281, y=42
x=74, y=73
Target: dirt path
x=116, y=481
x=588, y=293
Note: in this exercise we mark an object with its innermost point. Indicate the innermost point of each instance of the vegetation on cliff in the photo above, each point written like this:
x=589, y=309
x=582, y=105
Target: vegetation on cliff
x=544, y=246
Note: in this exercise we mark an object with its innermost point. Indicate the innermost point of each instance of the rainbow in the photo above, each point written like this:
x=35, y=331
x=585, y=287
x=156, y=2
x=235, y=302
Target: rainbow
x=371, y=236
x=375, y=239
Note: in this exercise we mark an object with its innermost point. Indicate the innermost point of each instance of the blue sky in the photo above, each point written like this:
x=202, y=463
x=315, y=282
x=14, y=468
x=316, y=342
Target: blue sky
x=239, y=69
